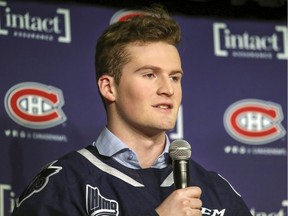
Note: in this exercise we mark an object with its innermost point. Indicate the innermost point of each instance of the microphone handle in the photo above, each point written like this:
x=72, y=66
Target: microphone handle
x=181, y=173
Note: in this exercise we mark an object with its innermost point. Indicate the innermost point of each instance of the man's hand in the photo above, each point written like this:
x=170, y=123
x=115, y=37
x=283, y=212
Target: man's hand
x=182, y=202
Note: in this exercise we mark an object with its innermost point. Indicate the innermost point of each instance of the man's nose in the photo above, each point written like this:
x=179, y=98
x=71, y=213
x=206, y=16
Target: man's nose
x=165, y=86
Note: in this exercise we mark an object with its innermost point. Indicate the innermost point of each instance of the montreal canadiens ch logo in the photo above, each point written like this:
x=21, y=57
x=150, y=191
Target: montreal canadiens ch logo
x=125, y=14
x=253, y=121
x=35, y=105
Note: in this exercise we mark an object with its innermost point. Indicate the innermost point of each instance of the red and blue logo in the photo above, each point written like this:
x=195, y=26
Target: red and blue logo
x=125, y=14
x=35, y=105
x=253, y=121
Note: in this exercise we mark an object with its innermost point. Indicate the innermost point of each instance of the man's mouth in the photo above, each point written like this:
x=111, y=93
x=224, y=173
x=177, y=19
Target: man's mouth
x=164, y=106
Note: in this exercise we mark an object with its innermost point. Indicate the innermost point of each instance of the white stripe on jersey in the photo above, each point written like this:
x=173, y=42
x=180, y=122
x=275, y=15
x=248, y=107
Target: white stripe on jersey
x=168, y=181
x=229, y=185
x=108, y=169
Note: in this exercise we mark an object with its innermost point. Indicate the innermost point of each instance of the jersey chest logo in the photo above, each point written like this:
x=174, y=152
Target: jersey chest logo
x=97, y=204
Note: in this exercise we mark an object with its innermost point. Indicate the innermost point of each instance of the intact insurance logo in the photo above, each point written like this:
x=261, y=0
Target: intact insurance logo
x=256, y=123
x=35, y=105
x=28, y=25
x=247, y=44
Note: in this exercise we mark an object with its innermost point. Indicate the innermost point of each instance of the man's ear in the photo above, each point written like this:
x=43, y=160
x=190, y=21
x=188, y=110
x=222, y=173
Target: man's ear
x=106, y=85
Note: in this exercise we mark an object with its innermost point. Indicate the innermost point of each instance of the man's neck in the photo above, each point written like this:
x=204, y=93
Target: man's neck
x=147, y=148
x=148, y=151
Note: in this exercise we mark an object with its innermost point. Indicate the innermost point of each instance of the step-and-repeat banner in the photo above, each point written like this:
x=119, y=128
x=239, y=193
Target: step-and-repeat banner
x=234, y=110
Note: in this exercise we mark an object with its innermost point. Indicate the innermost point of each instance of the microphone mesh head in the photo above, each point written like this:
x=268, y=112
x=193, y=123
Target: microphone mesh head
x=180, y=150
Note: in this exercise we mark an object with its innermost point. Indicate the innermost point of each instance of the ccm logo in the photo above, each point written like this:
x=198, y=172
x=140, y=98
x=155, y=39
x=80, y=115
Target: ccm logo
x=254, y=121
x=35, y=105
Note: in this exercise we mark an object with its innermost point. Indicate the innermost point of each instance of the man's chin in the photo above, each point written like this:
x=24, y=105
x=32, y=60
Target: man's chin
x=169, y=127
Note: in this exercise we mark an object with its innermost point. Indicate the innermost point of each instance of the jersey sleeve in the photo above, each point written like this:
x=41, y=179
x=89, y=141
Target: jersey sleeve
x=50, y=194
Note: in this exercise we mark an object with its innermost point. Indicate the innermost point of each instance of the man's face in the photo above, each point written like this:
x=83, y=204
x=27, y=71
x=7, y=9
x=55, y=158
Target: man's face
x=149, y=93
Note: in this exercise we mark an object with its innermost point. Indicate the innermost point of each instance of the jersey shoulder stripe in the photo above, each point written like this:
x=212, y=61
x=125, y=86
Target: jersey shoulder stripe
x=108, y=169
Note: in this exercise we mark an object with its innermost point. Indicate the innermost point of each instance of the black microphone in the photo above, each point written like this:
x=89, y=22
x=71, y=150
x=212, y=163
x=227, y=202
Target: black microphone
x=180, y=152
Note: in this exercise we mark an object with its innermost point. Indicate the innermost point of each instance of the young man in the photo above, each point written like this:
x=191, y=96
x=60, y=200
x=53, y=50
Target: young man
x=127, y=171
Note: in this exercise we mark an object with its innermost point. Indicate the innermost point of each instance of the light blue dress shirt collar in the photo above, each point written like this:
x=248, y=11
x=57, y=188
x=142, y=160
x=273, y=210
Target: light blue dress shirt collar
x=109, y=145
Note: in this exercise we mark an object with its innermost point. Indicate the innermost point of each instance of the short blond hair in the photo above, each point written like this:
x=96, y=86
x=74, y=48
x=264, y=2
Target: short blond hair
x=155, y=26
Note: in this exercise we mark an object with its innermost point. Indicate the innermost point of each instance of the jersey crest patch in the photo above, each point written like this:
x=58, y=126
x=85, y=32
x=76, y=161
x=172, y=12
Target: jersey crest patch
x=97, y=204
x=39, y=182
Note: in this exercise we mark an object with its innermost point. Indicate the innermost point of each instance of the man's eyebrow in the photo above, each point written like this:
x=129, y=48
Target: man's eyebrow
x=150, y=67
x=155, y=68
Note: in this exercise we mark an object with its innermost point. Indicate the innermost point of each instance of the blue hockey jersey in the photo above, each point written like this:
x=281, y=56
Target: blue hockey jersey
x=87, y=183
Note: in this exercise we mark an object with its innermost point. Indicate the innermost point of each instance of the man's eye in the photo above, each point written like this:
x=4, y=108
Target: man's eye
x=149, y=76
x=175, y=78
